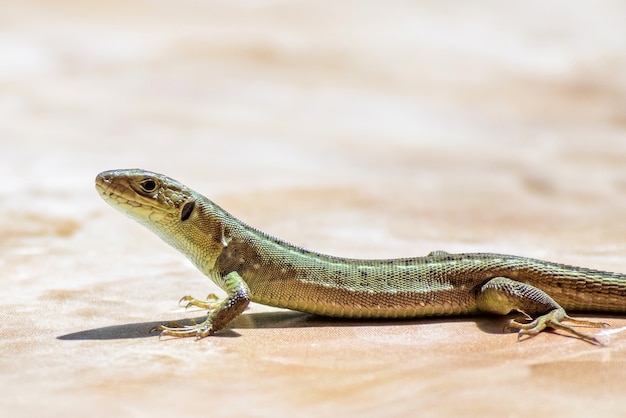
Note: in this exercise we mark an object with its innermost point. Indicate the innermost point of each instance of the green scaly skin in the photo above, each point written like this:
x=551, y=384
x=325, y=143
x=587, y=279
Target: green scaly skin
x=253, y=266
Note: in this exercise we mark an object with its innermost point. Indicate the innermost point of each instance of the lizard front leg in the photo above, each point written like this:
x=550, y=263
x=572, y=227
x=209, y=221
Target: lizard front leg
x=236, y=301
x=502, y=295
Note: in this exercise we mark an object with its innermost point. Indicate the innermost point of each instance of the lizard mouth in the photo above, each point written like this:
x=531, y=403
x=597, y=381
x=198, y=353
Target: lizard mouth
x=112, y=191
x=104, y=186
x=103, y=181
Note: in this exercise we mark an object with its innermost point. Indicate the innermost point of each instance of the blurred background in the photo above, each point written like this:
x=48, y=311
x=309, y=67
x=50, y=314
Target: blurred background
x=360, y=128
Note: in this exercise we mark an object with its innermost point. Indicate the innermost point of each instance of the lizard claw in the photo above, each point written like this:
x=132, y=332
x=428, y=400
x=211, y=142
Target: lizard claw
x=555, y=319
x=168, y=325
x=210, y=303
x=175, y=329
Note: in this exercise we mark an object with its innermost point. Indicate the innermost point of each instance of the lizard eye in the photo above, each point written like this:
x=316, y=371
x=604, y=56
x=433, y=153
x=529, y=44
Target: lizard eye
x=149, y=185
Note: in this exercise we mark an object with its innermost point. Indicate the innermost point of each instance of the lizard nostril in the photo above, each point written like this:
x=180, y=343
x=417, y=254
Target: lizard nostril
x=104, y=177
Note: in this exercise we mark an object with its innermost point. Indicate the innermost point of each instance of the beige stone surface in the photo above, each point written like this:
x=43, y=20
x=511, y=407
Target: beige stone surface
x=357, y=128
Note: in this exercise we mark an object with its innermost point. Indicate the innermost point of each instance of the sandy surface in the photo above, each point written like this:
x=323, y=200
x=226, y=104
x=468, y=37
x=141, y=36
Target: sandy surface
x=364, y=129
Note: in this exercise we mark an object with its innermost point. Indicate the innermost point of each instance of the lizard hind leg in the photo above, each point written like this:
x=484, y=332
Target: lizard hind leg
x=502, y=295
x=555, y=319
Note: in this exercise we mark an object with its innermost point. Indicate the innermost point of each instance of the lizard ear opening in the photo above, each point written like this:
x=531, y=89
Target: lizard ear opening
x=187, y=209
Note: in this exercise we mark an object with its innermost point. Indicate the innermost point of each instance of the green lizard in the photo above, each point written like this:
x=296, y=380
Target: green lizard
x=253, y=266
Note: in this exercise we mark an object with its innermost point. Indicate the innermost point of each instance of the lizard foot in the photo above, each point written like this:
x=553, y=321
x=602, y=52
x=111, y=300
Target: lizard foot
x=209, y=303
x=555, y=319
x=175, y=329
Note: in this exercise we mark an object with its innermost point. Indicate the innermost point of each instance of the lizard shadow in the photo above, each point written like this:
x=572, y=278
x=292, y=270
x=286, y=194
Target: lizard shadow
x=131, y=331
x=281, y=319
x=292, y=319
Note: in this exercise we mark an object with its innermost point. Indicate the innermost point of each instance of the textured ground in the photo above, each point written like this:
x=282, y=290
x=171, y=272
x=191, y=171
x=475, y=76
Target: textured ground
x=357, y=128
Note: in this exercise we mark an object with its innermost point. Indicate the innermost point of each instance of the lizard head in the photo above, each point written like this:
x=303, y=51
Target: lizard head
x=180, y=216
x=147, y=197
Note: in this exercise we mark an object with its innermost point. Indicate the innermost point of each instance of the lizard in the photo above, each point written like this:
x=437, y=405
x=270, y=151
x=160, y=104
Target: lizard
x=252, y=266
